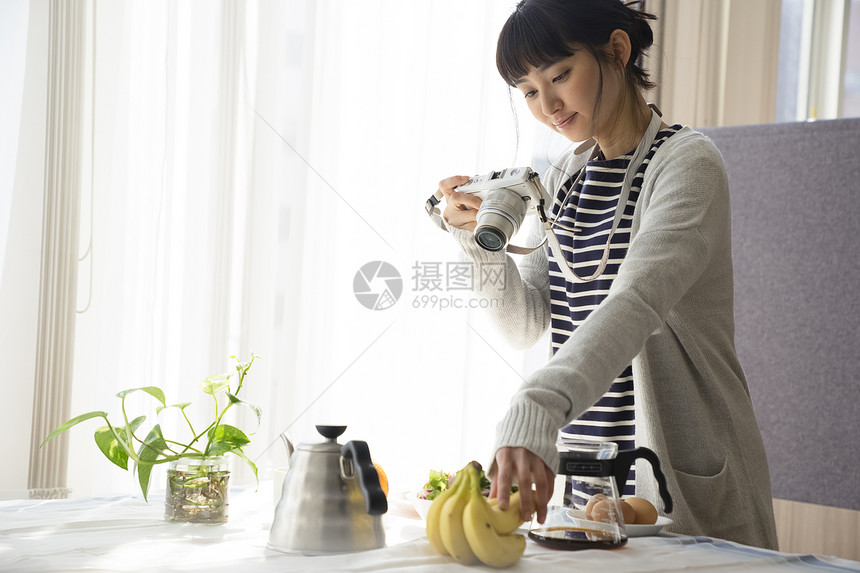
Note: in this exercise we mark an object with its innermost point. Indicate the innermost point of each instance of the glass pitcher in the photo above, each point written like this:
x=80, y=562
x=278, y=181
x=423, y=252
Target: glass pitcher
x=584, y=512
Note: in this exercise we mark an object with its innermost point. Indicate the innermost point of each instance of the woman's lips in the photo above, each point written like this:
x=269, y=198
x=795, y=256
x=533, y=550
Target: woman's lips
x=565, y=122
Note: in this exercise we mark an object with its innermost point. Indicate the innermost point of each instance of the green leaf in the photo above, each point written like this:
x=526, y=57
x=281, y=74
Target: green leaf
x=153, y=446
x=181, y=406
x=226, y=438
x=437, y=483
x=73, y=422
x=108, y=441
x=254, y=408
x=215, y=383
x=153, y=391
x=242, y=455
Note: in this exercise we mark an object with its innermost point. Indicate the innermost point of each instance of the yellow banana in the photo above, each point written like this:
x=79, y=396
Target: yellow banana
x=451, y=521
x=434, y=517
x=487, y=544
x=507, y=521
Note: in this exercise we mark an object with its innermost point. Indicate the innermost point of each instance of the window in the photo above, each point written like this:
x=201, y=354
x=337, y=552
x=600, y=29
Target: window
x=851, y=81
x=819, y=60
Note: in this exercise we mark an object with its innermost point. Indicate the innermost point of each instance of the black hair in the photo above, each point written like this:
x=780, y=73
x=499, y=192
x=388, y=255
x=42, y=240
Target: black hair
x=541, y=32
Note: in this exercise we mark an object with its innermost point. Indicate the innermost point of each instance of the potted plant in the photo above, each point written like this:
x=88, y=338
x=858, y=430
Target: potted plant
x=198, y=472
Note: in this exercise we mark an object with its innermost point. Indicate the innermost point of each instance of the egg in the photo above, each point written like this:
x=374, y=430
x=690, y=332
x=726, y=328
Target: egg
x=628, y=512
x=591, y=503
x=602, y=510
x=646, y=513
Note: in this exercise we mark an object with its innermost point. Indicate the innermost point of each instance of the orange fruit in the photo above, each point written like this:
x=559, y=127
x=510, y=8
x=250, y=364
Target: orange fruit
x=383, y=479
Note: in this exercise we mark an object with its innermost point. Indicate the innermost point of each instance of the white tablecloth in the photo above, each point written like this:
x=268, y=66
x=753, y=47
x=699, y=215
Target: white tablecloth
x=127, y=534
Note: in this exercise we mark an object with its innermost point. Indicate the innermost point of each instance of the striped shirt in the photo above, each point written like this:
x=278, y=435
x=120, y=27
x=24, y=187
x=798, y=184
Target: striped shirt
x=582, y=229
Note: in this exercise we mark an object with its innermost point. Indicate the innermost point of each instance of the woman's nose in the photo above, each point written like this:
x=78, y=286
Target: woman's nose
x=549, y=103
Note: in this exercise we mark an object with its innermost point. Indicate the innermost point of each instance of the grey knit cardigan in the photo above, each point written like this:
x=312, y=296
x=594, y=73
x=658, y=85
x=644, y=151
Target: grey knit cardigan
x=670, y=313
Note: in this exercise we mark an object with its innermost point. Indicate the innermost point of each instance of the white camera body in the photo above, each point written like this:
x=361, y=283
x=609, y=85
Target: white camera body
x=520, y=180
x=507, y=196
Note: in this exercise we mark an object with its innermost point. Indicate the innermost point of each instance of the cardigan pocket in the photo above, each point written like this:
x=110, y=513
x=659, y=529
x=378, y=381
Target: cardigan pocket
x=705, y=495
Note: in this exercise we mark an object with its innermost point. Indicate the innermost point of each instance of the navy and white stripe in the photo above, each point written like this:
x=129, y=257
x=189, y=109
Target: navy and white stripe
x=582, y=229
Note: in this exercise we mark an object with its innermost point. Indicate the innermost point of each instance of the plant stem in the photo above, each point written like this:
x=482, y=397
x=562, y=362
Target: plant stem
x=217, y=421
x=128, y=433
x=243, y=370
x=128, y=450
x=186, y=446
x=184, y=415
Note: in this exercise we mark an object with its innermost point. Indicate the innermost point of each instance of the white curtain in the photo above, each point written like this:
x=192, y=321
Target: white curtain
x=13, y=44
x=248, y=158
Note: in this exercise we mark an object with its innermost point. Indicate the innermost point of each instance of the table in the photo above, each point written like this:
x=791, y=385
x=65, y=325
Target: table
x=127, y=534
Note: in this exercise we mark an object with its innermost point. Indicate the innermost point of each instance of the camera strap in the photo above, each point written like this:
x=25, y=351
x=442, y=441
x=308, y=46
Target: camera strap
x=432, y=208
x=632, y=168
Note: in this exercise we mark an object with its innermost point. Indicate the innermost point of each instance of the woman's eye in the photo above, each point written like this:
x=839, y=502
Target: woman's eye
x=530, y=94
x=560, y=77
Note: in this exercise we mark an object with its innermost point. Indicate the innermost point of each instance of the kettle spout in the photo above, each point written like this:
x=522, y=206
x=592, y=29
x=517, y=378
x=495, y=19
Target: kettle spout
x=288, y=445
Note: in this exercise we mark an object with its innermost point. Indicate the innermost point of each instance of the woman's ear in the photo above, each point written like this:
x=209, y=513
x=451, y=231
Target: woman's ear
x=619, y=46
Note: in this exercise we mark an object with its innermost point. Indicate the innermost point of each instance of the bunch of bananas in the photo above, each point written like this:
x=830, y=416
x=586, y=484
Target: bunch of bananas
x=463, y=524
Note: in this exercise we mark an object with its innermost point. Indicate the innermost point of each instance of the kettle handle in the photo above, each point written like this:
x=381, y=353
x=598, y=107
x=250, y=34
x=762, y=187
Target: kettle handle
x=368, y=478
x=622, y=464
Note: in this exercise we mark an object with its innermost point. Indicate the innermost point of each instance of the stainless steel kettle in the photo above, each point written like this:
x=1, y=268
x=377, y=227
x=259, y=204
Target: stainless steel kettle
x=331, y=500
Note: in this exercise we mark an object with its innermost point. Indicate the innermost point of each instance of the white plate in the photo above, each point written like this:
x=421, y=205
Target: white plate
x=400, y=502
x=422, y=506
x=646, y=530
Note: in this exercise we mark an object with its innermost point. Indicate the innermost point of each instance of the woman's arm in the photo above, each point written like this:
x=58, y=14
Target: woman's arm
x=517, y=296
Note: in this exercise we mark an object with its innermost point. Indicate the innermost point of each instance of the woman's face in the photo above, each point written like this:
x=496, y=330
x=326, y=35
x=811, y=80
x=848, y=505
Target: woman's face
x=562, y=94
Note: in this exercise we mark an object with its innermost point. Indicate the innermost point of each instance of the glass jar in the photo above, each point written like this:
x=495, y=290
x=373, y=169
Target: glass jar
x=197, y=490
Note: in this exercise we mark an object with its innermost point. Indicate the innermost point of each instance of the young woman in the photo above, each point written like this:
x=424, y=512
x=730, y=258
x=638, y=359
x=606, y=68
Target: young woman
x=643, y=343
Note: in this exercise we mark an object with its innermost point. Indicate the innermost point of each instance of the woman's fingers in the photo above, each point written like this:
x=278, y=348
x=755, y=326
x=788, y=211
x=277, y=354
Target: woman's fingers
x=461, y=210
x=447, y=185
x=544, y=482
x=529, y=470
x=525, y=477
x=464, y=201
x=504, y=477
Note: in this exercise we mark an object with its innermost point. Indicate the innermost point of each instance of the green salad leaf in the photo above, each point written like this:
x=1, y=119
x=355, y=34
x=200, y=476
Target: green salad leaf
x=438, y=482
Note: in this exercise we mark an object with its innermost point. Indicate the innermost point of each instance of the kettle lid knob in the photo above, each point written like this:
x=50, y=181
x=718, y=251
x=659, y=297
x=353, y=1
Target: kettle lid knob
x=331, y=432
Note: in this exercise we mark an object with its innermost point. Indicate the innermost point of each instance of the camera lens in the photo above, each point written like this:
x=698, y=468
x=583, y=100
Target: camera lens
x=490, y=239
x=499, y=218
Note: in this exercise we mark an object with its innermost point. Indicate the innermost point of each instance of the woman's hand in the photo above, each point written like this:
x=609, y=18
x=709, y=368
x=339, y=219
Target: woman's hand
x=529, y=469
x=461, y=209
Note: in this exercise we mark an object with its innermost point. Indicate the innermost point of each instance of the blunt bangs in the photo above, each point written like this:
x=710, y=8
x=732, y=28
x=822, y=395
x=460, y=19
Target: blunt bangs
x=530, y=38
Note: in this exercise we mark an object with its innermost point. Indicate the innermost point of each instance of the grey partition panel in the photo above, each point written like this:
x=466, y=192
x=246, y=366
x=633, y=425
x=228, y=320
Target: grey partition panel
x=795, y=192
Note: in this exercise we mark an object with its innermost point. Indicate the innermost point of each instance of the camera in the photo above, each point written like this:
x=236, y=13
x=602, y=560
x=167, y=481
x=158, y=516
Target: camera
x=507, y=196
